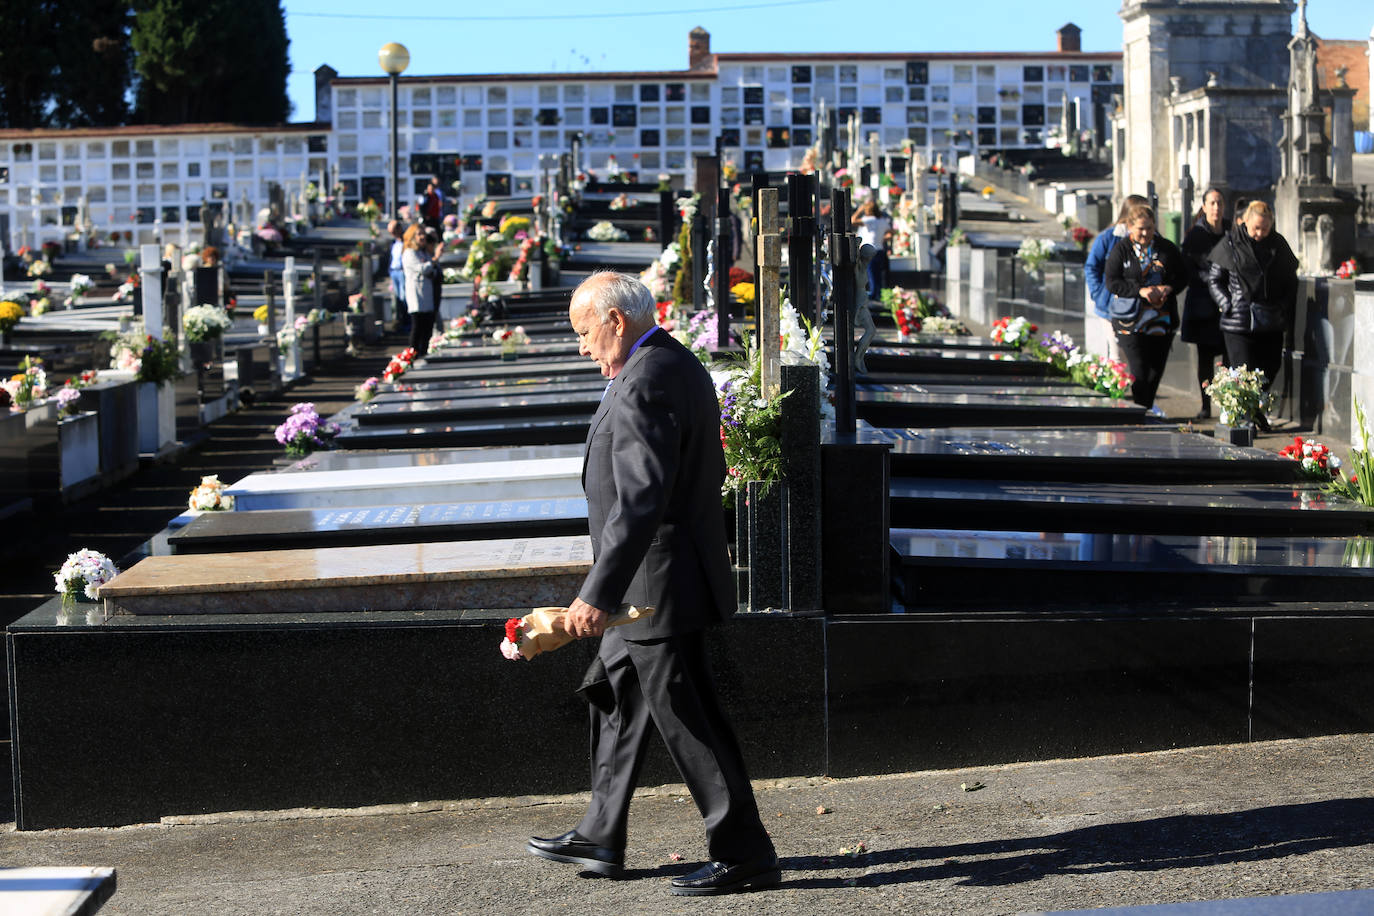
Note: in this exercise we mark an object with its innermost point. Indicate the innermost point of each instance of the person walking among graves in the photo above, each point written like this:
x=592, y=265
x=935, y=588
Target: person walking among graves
x=420, y=269
x=435, y=242
x=874, y=228
x=652, y=475
x=1097, y=262
x=1254, y=280
x=1145, y=273
x=432, y=205
x=1201, y=321
x=396, y=269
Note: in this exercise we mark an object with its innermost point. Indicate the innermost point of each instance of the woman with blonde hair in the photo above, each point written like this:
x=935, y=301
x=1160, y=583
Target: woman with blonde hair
x=1254, y=280
x=420, y=270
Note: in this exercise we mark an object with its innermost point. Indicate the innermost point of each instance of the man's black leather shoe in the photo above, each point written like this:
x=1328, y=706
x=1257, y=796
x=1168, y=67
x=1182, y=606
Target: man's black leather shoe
x=724, y=878
x=578, y=851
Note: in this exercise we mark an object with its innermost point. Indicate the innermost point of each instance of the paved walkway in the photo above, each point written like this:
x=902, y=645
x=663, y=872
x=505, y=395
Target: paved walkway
x=1198, y=824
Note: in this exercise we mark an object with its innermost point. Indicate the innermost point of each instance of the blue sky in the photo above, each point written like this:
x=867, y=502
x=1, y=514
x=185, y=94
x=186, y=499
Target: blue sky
x=598, y=35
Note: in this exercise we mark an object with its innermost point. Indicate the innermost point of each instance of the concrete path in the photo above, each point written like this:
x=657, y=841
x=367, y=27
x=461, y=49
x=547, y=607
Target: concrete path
x=1198, y=824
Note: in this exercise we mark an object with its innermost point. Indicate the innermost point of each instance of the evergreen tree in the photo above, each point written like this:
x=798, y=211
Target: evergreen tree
x=210, y=60
x=93, y=63
x=27, y=62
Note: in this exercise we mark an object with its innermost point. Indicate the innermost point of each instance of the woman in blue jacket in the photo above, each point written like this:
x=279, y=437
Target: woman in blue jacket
x=1097, y=264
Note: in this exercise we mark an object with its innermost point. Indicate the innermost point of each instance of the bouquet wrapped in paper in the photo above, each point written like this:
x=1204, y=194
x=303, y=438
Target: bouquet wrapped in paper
x=545, y=629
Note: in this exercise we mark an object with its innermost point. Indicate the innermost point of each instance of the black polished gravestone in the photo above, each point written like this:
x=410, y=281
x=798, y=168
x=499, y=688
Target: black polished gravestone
x=890, y=340
x=409, y=384
x=512, y=406
x=1061, y=383
x=497, y=388
x=1137, y=455
x=1234, y=509
x=576, y=366
x=362, y=460
x=485, y=349
x=946, y=570
x=968, y=361
x=903, y=406
x=527, y=430
x=273, y=529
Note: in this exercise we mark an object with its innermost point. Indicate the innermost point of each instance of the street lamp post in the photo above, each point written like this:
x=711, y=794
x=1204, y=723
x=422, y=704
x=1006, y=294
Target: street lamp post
x=394, y=58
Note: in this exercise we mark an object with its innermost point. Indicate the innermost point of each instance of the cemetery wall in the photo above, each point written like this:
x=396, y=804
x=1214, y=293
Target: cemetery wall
x=146, y=179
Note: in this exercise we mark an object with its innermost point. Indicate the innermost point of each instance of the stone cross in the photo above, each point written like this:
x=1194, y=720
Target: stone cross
x=769, y=248
x=875, y=169
x=288, y=285
x=151, y=269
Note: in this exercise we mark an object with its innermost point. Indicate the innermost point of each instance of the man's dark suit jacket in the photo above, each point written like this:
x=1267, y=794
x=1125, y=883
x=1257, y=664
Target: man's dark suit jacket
x=652, y=475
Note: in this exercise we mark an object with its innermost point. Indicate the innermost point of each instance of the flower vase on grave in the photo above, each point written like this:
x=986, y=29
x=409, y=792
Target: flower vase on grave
x=508, y=353
x=262, y=330
x=1235, y=435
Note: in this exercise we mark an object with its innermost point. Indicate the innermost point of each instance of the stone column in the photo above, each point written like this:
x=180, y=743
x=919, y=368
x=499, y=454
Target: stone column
x=766, y=291
x=982, y=284
x=151, y=292
x=1342, y=137
x=956, y=256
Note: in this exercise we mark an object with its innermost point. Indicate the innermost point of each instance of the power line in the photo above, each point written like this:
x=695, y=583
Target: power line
x=561, y=16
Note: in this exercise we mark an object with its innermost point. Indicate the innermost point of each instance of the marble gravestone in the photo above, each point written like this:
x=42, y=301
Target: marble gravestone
x=478, y=481
x=449, y=575
x=219, y=532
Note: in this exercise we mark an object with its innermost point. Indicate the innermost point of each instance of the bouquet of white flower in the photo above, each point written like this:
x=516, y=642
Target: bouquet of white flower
x=605, y=231
x=205, y=322
x=83, y=573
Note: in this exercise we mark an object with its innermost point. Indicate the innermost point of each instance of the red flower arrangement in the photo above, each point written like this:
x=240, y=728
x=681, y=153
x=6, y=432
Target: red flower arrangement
x=1082, y=236
x=739, y=275
x=1316, y=459
x=1347, y=269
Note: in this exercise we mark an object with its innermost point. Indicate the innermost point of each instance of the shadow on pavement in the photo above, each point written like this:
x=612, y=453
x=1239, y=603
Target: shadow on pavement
x=1185, y=840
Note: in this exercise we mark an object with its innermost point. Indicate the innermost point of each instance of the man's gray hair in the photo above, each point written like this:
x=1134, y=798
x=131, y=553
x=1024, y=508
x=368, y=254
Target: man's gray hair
x=608, y=289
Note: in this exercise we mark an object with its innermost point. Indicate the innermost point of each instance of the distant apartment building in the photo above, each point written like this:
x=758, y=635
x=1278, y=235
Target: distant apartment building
x=499, y=132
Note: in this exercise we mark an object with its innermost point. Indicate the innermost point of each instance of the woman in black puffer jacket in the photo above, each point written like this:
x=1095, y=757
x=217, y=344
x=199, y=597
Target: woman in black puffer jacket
x=1254, y=281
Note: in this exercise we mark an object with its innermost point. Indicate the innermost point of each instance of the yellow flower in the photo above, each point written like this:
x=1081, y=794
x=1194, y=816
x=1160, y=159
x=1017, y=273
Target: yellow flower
x=744, y=292
x=260, y=314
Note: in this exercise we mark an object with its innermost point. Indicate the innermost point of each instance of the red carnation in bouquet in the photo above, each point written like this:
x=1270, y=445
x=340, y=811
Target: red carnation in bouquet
x=545, y=629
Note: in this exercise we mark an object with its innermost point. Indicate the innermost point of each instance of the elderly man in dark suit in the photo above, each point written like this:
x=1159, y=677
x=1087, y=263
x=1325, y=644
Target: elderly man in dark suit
x=652, y=475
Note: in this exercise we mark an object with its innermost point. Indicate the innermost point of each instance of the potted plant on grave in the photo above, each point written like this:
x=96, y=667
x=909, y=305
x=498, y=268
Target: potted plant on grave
x=28, y=385
x=10, y=314
x=304, y=431
x=155, y=364
x=509, y=339
x=1238, y=392
x=78, y=439
x=1033, y=254
x=204, y=326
